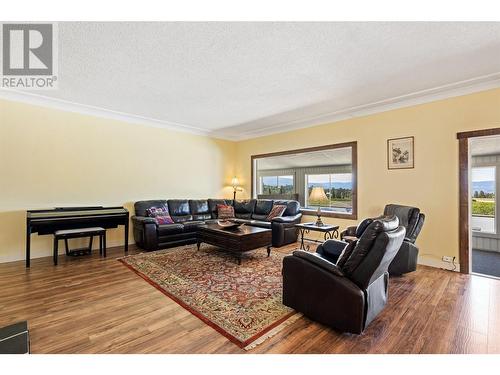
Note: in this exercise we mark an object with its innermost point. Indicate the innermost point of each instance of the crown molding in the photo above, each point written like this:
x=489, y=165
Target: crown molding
x=460, y=88
x=482, y=83
x=68, y=106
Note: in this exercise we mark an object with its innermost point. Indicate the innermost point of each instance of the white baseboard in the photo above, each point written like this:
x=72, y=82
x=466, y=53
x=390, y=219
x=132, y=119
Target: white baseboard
x=437, y=263
x=48, y=252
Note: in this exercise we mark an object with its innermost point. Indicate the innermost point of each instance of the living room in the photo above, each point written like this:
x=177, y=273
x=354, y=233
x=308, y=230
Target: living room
x=246, y=187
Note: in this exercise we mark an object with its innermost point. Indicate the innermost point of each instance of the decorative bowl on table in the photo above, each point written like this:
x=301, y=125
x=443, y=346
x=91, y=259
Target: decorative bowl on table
x=228, y=224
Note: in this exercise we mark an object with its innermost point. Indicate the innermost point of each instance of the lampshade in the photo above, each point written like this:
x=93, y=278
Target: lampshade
x=318, y=194
x=234, y=181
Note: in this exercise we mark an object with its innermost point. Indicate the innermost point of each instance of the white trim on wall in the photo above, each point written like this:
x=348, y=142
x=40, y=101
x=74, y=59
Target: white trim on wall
x=68, y=106
x=436, y=263
x=459, y=88
x=469, y=86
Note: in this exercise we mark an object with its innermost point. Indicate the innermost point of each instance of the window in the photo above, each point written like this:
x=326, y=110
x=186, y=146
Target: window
x=483, y=203
x=276, y=185
x=333, y=192
x=322, y=176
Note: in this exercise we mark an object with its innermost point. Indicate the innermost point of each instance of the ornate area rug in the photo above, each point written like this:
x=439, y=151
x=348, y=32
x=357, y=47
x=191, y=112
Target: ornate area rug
x=242, y=302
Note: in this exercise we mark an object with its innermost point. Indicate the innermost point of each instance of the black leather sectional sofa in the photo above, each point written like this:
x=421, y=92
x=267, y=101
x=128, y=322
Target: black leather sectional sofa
x=188, y=215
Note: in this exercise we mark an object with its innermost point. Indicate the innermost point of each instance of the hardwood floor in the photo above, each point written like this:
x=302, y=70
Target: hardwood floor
x=96, y=305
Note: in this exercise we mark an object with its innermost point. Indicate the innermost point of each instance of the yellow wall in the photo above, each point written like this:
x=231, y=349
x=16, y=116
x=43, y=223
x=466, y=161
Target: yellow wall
x=432, y=185
x=50, y=158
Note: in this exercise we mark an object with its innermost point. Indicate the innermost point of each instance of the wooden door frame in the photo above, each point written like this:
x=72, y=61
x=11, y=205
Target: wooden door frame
x=463, y=192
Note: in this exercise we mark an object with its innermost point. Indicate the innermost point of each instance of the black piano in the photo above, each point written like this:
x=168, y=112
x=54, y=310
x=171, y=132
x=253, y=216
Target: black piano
x=52, y=220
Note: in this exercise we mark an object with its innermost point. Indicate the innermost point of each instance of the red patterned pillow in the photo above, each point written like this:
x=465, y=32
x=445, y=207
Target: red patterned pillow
x=225, y=212
x=276, y=211
x=160, y=214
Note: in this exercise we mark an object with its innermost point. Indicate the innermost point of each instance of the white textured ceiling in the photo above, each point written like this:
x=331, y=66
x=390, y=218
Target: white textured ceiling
x=239, y=80
x=337, y=156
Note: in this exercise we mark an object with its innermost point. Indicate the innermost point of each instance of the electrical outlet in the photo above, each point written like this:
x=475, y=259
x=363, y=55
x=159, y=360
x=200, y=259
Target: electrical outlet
x=448, y=259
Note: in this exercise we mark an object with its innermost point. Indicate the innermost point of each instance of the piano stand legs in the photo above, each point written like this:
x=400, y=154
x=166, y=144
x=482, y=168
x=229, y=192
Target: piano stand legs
x=126, y=237
x=56, y=250
x=28, y=245
x=66, y=245
x=102, y=244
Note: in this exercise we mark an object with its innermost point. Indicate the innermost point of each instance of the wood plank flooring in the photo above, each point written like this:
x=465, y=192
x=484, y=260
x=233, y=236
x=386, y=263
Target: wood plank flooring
x=96, y=305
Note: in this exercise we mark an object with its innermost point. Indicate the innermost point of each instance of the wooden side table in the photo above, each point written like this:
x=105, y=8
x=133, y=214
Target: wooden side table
x=330, y=231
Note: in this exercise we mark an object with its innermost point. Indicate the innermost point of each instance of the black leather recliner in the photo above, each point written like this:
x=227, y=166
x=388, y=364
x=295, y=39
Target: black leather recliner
x=347, y=291
x=412, y=219
x=188, y=215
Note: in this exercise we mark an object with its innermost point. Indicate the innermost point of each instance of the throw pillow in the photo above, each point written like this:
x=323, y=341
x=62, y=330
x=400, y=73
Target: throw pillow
x=225, y=212
x=276, y=211
x=346, y=253
x=160, y=214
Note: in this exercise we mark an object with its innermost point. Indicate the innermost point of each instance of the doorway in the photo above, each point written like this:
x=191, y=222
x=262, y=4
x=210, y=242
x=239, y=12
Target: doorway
x=484, y=171
x=479, y=159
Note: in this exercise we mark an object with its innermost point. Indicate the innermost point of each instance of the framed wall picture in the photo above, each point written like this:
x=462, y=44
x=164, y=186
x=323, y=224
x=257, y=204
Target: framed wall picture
x=400, y=153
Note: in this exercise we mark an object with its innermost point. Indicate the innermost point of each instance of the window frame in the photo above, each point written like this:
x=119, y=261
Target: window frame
x=354, y=171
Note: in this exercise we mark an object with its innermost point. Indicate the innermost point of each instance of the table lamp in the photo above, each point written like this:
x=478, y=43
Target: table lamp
x=235, y=183
x=318, y=195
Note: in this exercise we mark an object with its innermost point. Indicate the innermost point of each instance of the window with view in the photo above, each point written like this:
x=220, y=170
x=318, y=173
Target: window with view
x=276, y=185
x=483, y=183
x=332, y=192
x=318, y=177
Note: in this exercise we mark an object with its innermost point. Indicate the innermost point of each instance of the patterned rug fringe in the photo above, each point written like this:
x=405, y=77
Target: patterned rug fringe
x=274, y=331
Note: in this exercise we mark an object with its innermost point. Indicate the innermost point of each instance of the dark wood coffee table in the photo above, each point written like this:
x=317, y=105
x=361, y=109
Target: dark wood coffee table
x=238, y=240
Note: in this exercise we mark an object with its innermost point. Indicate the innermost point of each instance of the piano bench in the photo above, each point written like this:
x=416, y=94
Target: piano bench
x=66, y=234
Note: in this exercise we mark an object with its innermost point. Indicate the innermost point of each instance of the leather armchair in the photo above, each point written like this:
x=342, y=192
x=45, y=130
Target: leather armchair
x=412, y=220
x=353, y=232
x=331, y=249
x=349, y=293
x=348, y=232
